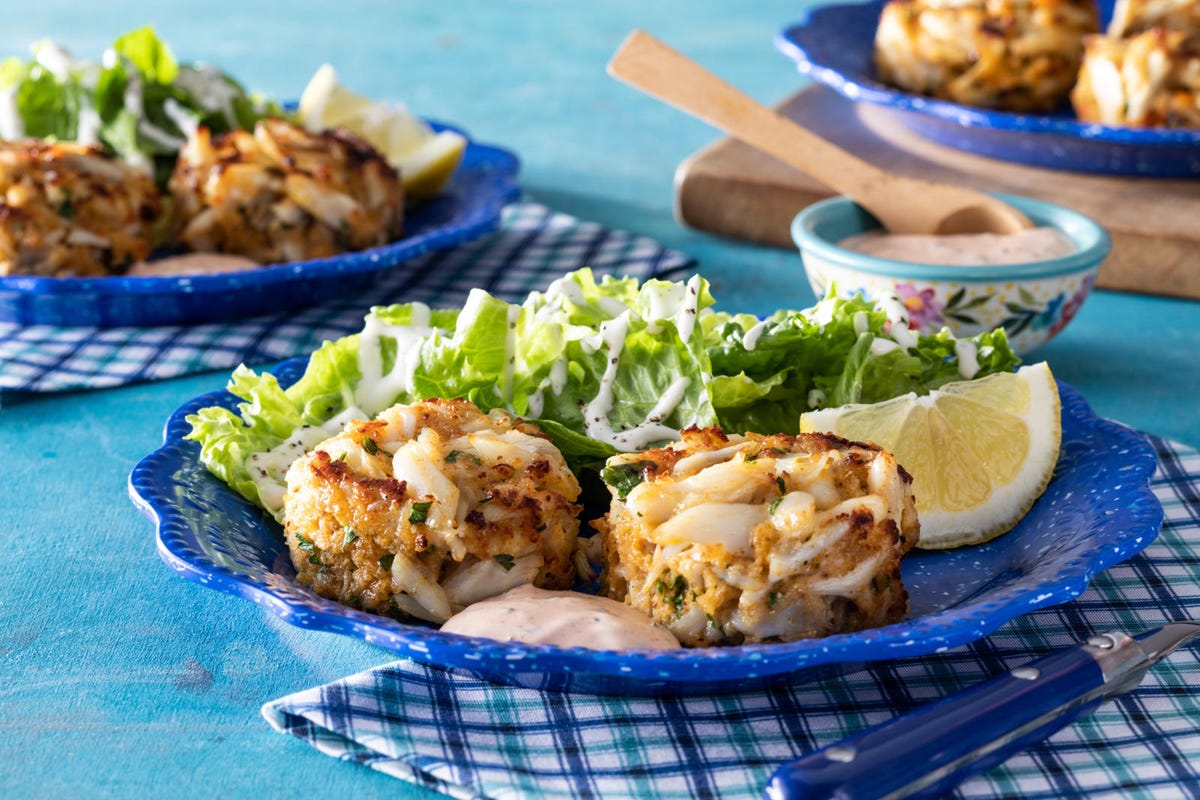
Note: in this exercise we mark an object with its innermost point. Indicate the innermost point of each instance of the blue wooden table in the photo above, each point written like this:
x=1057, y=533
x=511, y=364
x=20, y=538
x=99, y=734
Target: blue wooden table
x=118, y=679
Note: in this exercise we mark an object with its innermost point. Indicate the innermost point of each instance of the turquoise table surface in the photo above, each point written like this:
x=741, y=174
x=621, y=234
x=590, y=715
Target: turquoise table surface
x=119, y=679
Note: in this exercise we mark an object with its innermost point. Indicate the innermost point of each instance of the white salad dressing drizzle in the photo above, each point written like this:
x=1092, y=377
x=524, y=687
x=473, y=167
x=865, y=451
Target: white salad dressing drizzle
x=375, y=390
x=881, y=347
x=510, y=354
x=897, y=314
x=750, y=338
x=11, y=124
x=536, y=402
x=55, y=58
x=269, y=469
x=968, y=358
x=211, y=90
x=689, y=309
x=595, y=413
x=185, y=120
x=558, y=376
x=87, y=130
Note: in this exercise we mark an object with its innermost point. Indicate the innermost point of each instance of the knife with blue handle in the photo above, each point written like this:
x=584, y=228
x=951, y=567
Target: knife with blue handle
x=931, y=750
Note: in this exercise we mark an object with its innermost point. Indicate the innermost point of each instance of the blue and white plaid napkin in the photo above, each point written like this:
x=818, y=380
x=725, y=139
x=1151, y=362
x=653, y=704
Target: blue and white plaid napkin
x=469, y=738
x=533, y=246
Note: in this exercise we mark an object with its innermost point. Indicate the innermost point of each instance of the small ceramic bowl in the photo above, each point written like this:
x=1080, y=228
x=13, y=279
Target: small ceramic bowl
x=1032, y=301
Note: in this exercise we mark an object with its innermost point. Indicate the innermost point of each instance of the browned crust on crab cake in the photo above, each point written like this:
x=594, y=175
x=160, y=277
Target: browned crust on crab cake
x=732, y=539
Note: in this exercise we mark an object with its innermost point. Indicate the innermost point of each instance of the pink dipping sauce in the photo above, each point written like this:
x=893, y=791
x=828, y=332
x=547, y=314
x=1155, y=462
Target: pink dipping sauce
x=192, y=264
x=567, y=619
x=963, y=249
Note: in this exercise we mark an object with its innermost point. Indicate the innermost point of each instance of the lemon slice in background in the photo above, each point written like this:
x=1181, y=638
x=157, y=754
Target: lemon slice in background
x=980, y=452
x=426, y=159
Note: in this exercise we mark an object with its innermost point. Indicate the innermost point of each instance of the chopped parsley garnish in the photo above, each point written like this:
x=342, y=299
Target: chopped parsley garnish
x=369, y=445
x=349, y=537
x=772, y=599
x=505, y=560
x=454, y=455
x=774, y=505
x=304, y=543
x=420, y=511
x=386, y=560
x=677, y=588
x=782, y=486
x=624, y=477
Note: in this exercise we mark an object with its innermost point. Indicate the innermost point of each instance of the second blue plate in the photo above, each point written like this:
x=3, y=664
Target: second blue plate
x=834, y=46
x=466, y=209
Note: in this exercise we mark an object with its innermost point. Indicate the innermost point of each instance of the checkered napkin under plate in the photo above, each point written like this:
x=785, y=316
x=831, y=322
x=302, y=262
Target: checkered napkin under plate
x=469, y=738
x=533, y=246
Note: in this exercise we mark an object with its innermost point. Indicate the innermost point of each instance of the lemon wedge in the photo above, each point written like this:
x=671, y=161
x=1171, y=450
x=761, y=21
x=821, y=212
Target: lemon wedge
x=426, y=159
x=980, y=452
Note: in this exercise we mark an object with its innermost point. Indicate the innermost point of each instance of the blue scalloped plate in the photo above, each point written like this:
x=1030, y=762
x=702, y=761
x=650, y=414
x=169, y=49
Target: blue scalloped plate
x=467, y=209
x=1097, y=511
x=833, y=45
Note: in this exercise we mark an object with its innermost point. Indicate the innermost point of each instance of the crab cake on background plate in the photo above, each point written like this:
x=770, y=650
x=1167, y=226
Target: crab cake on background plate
x=1131, y=17
x=68, y=209
x=1146, y=71
x=429, y=508
x=1149, y=80
x=739, y=539
x=1014, y=55
x=283, y=193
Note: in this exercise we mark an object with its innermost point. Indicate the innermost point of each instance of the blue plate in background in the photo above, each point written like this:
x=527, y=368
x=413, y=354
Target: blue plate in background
x=466, y=209
x=1097, y=511
x=833, y=45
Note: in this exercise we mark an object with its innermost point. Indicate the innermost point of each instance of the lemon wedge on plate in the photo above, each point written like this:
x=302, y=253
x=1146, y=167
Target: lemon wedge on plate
x=425, y=158
x=980, y=452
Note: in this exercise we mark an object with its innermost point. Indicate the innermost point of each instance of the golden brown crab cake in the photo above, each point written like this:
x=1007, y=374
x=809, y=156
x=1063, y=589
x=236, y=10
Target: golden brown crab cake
x=1149, y=80
x=1016, y=55
x=283, y=193
x=68, y=209
x=738, y=539
x=431, y=507
x=1131, y=17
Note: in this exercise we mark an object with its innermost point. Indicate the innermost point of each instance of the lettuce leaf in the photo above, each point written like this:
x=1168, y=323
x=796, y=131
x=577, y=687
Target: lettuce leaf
x=602, y=366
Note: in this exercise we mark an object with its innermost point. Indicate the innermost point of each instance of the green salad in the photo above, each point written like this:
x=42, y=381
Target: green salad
x=603, y=366
x=139, y=101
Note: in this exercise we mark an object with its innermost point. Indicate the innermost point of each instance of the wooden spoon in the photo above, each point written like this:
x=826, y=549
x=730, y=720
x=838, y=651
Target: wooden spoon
x=902, y=205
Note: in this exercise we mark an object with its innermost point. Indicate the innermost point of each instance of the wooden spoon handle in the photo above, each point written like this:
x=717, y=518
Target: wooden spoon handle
x=903, y=205
x=653, y=67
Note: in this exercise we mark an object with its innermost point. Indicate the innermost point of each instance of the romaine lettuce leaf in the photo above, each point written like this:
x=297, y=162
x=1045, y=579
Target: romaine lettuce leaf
x=602, y=365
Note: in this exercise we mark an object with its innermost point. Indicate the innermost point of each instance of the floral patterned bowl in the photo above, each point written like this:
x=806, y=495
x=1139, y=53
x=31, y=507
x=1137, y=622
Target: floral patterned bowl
x=1032, y=301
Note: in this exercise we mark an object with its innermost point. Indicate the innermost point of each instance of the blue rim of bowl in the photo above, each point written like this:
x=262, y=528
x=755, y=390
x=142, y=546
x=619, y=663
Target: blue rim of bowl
x=152, y=487
x=1093, y=241
x=790, y=42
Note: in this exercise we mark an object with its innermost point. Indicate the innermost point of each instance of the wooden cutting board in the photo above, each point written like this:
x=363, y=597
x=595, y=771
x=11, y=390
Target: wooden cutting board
x=731, y=189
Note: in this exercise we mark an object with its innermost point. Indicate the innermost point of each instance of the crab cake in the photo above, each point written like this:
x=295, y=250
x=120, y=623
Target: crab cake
x=429, y=508
x=68, y=209
x=283, y=193
x=1016, y=55
x=1131, y=17
x=729, y=540
x=1151, y=79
